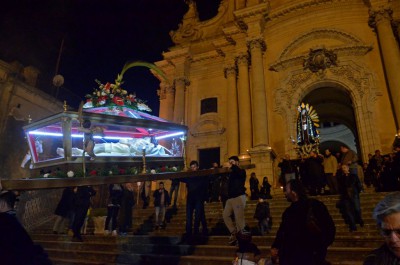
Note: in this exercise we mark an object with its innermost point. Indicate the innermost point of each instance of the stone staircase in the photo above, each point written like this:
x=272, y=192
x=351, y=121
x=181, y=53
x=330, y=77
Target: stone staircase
x=149, y=246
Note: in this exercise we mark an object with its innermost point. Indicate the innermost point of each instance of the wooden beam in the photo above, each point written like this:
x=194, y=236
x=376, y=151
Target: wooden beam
x=51, y=183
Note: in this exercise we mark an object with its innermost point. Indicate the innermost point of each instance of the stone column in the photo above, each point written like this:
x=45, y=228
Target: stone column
x=260, y=118
x=166, y=94
x=169, y=101
x=381, y=20
x=244, y=103
x=163, y=106
x=179, y=106
x=232, y=132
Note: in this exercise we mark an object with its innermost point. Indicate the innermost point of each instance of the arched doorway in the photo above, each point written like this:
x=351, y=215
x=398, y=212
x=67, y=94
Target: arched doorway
x=337, y=118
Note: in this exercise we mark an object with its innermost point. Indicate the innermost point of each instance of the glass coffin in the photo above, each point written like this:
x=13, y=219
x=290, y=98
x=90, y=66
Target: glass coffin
x=120, y=136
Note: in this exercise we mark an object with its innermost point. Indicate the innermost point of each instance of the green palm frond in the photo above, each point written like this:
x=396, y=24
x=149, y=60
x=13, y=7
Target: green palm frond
x=143, y=64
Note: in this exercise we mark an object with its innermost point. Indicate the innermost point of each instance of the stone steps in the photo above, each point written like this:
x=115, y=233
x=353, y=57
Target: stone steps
x=149, y=246
x=130, y=252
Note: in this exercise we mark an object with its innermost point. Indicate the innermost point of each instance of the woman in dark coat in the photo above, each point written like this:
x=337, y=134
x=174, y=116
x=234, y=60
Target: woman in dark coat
x=64, y=210
x=254, y=187
x=114, y=203
x=127, y=203
x=266, y=189
x=81, y=206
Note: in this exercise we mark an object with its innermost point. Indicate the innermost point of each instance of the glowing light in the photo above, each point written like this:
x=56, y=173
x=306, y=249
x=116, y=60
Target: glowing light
x=46, y=133
x=77, y=135
x=169, y=135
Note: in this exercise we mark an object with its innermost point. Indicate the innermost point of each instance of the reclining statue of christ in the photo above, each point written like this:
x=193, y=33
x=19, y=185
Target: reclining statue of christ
x=124, y=147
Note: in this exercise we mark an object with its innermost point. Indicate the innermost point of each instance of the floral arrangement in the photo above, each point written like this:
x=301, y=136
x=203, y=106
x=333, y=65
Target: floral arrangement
x=113, y=95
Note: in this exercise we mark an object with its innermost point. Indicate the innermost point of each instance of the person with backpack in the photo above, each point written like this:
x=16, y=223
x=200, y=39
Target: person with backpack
x=306, y=230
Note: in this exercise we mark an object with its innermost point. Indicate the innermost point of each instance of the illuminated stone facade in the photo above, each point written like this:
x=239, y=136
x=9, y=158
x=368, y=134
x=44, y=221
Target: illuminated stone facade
x=20, y=102
x=261, y=59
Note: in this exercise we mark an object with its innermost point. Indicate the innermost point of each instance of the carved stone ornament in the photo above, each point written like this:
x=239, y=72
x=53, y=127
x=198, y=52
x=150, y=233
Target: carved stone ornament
x=181, y=82
x=320, y=59
x=349, y=45
x=230, y=70
x=189, y=29
x=208, y=124
x=377, y=15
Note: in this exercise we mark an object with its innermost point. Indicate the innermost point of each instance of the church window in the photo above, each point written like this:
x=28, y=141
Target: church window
x=209, y=105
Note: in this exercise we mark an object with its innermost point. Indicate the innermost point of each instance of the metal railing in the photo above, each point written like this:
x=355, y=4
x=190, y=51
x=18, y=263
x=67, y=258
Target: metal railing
x=36, y=207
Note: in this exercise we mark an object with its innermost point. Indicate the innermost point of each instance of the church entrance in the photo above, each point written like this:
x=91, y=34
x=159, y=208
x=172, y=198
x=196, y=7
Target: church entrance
x=336, y=118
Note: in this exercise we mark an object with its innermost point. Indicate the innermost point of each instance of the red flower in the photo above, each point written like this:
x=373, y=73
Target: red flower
x=118, y=101
x=163, y=169
x=122, y=171
x=107, y=86
x=93, y=173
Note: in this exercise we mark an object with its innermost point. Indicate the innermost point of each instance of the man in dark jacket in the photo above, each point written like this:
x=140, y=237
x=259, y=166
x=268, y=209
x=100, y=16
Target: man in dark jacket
x=196, y=195
x=236, y=199
x=16, y=246
x=315, y=173
x=161, y=201
x=306, y=230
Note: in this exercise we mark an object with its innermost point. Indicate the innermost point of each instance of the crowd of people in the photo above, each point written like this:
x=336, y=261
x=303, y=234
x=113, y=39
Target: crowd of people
x=74, y=207
x=320, y=173
x=306, y=229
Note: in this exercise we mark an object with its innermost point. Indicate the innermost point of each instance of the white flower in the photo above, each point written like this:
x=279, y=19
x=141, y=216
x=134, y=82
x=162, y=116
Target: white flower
x=111, y=95
x=103, y=93
x=46, y=175
x=101, y=102
x=174, y=169
x=153, y=171
x=70, y=174
x=142, y=106
x=110, y=172
x=88, y=104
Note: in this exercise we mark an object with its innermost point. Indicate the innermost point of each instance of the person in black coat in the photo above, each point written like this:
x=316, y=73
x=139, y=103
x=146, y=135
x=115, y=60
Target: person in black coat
x=315, y=173
x=254, y=187
x=266, y=189
x=263, y=215
x=127, y=203
x=161, y=202
x=81, y=207
x=349, y=203
x=196, y=195
x=113, y=205
x=16, y=246
x=306, y=229
x=64, y=210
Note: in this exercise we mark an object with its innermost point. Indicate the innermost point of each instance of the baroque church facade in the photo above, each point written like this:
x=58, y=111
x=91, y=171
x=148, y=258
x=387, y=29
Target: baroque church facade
x=237, y=79
x=21, y=102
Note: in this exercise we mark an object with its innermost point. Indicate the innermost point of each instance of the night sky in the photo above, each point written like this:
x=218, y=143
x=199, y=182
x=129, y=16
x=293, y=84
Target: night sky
x=99, y=38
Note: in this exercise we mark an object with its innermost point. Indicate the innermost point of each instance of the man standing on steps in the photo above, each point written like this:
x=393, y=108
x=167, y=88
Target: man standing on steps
x=196, y=194
x=236, y=199
x=306, y=230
